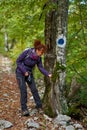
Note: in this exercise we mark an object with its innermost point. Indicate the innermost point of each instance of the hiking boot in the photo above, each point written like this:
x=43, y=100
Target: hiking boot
x=40, y=110
x=25, y=113
x=37, y=107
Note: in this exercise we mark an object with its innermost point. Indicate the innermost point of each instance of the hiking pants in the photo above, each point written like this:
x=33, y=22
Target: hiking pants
x=23, y=91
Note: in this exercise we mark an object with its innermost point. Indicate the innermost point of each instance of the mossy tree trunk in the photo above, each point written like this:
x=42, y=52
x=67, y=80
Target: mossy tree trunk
x=55, y=59
x=50, y=36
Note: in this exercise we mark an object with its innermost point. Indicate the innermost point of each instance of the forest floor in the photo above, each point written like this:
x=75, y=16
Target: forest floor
x=10, y=100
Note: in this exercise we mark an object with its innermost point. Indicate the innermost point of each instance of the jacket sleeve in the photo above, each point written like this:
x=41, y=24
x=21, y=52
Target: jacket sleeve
x=41, y=68
x=20, y=63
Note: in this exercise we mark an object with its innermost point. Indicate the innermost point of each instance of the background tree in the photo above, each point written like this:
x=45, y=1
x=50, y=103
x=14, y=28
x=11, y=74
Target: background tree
x=76, y=58
x=18, y=20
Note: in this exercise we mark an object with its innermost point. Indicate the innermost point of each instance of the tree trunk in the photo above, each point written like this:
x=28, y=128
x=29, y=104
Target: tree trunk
x=55, y=60
x=6, y=40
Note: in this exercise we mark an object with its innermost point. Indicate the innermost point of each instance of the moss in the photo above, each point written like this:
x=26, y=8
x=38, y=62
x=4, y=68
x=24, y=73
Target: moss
x=64, y=107
x=58, y=67
x=85, y=120
x=46, y=93
x=48, y=111
x=74, y=111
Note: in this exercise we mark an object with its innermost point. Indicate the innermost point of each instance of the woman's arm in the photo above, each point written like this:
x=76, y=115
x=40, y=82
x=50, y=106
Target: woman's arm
x=42, y=69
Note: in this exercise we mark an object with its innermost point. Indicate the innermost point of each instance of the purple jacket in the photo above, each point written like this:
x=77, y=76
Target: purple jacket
x=27, y=61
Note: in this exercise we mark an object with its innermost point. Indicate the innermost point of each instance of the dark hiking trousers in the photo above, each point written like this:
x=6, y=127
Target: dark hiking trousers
x=23, y=91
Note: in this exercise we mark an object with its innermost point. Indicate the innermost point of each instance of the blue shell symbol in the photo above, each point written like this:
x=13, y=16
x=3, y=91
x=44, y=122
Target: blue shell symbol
x=61, y=41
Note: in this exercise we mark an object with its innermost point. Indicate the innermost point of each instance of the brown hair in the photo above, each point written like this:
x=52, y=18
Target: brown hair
x=39, y=46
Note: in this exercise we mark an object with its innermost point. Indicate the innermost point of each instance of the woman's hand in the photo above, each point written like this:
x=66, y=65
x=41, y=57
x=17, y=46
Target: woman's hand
x=50, y=75
x=26, y=73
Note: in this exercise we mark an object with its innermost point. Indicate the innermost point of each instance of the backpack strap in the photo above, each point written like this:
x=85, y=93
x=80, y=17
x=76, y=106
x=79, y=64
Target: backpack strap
x=29, y=52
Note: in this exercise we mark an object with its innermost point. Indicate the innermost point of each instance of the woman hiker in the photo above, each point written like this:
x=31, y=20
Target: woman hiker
x=25, y=64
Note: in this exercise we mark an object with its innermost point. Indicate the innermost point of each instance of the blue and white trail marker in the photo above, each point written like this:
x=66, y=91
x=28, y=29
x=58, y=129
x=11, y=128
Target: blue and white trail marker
x=61, y=41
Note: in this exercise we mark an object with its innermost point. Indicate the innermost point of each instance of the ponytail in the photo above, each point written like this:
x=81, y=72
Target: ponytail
x=38, y=45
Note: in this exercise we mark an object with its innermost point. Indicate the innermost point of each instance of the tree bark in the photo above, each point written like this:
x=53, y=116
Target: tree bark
x=73, y=88
x=55, y=59
x=6, y=40
x=50, y=40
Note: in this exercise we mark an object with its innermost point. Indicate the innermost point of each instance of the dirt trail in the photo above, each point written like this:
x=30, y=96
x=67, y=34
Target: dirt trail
x=10, y=100
x=9, y=96
x=5, y=64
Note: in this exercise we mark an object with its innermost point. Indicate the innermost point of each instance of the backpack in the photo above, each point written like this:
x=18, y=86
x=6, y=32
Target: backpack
x=29, y=52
